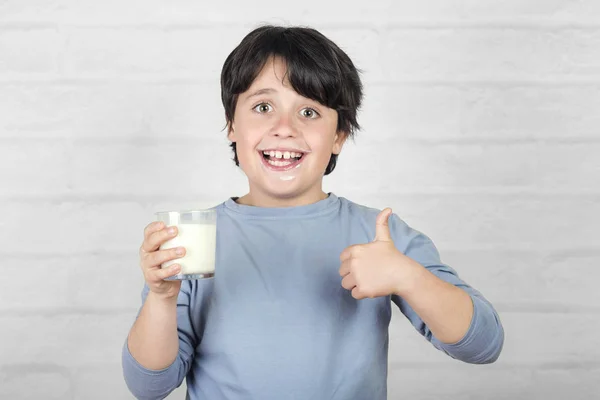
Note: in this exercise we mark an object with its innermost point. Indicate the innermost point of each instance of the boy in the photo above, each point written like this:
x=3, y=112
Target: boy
x=301, y=300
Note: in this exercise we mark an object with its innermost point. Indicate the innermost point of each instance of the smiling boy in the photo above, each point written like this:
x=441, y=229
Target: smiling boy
x=300, y=304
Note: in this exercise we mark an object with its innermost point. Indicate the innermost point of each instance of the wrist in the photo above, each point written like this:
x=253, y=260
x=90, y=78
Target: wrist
x=412, y=276
x=163, y=299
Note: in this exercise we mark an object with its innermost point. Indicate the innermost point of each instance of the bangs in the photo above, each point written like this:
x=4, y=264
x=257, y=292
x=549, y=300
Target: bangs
x=310, y=75
x=313, y=68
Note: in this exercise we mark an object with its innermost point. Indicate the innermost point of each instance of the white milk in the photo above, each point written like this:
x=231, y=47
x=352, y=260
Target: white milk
x=200, y=244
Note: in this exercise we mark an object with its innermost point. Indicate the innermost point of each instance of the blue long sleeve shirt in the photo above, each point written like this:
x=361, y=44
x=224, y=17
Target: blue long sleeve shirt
x=275, y=322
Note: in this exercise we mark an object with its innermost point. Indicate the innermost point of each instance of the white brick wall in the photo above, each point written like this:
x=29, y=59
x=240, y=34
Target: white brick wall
x=481, y=129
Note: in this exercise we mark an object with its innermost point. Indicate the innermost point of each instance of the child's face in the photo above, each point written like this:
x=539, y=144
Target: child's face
x=284, y=141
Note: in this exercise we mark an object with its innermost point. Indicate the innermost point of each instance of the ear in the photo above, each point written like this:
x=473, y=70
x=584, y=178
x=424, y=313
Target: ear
x=338, y=142
x=231, y=132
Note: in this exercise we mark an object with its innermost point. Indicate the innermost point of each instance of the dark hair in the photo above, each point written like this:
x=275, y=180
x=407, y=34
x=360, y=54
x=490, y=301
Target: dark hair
x=316, y=68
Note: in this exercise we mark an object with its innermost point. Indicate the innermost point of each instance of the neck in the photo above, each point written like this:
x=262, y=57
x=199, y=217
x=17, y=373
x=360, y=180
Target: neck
x=257, y=199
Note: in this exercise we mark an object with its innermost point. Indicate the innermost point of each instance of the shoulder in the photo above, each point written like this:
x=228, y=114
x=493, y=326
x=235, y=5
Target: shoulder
x=401, y=231
x=357, y=210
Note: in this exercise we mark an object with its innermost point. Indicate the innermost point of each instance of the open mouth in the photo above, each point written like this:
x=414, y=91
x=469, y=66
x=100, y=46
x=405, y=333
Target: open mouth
x=281, y=160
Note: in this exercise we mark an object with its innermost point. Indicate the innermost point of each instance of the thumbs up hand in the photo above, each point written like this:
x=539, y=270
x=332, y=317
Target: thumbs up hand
x=376, y=269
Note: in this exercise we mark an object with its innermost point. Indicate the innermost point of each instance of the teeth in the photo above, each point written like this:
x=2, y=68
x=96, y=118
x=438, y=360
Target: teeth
x=282, y=155
x=279, y=163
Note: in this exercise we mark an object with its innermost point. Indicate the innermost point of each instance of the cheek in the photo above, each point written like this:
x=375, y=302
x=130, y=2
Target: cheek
x=248, y=133
x=321, y=141
x=247, y=139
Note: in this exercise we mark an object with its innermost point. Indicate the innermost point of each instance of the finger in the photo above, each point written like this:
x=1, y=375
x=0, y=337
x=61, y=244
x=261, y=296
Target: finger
x=344, y=268
x=153, y=227
x=357, y=294
x=159, y=237
x=350, y=252
x=163, y=273
x=382, y=229
x=349, y=282
x=157, y=258
x=346, y=254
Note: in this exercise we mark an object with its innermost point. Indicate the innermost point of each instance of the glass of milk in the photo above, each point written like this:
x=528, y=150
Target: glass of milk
x=197, y=233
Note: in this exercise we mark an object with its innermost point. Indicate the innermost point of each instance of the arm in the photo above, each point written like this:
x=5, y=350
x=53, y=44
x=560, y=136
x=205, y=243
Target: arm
x=160, y=346
x=448, y=312
x=153, y=339
x=446, y=309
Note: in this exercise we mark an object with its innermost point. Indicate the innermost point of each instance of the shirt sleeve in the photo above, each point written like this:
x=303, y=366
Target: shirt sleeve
x=484, y=340
x=146, y=384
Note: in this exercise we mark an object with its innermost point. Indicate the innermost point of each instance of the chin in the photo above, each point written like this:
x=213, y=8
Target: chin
x=283, y=189
x=281, y=182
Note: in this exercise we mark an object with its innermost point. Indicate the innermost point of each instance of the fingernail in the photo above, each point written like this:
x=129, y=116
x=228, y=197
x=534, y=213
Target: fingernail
x=179, y=251
x=175, y=268
x=171, y=230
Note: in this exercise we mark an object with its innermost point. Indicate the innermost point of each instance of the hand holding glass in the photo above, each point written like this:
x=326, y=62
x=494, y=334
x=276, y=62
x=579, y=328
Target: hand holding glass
x=198, y=235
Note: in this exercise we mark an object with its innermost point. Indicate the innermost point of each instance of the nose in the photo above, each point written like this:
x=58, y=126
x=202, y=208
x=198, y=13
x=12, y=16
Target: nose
x=285, y=127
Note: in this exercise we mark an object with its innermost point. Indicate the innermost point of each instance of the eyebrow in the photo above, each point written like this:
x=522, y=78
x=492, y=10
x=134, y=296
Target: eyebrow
x=261, y=92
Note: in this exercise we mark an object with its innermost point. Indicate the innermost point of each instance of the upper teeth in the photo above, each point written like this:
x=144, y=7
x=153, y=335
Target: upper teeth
x=282, y=154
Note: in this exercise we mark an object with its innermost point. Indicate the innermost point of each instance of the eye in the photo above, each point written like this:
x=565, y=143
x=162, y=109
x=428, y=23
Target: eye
x=310, y=113
x=262, y=108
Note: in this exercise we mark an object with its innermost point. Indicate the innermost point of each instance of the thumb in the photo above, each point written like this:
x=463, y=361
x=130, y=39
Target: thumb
x=382, y=229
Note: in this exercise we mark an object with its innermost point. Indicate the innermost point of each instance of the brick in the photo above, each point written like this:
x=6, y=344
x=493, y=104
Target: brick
x=34, y=381
x=479, y=112
x=473, y=382
x=468, y=221
x=531, y=340
x=503, y=167
x=71, y=283
x=150, y=52
x=19, y=290
x=80, y=227
x=73, y=111
x=105, y=381
x=190, y=12
x=111, y=111
x=185, y=110
x=363, y=46
x=169, y=169
x=34, y=168
x=511, y=11
x=554, y=280
x=99, y=382
x=116, y=273
x=32, y=11
x=563, y=111
x=183, y=53
x=69, y=340
x=396, y=112
x=106, y=52
x=109, y=12
x=465, y=54
x=67, y=228
x=200, y=53
x=190, y=55
x=29, y=52
x=380, y=12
